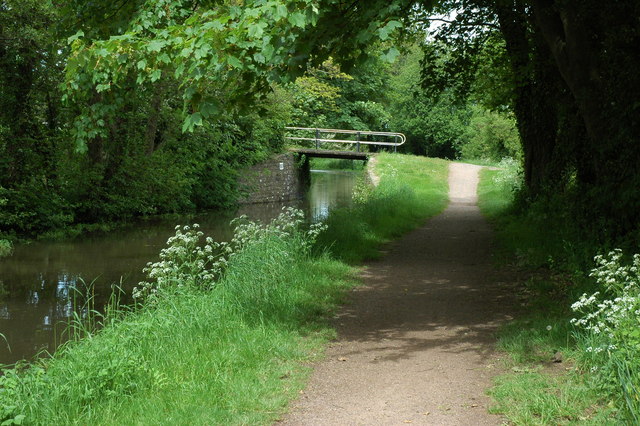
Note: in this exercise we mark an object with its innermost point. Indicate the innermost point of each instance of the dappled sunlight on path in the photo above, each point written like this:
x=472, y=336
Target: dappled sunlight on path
x=416, y=342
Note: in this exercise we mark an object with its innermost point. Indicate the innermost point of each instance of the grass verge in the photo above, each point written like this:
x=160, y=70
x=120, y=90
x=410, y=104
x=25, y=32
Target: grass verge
x=549, y=382
x=411, y=189
x=231, y=351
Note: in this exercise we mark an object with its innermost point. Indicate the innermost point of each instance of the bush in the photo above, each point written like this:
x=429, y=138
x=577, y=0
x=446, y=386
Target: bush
x=510, y=176
x=6, y=248
x=34, y=207
x=610, y=329
x=491, y=136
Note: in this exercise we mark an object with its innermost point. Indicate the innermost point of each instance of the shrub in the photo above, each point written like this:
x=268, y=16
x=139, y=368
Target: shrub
x=610, y=322
x=185, y=263
x=491, y=136
x=510, y=176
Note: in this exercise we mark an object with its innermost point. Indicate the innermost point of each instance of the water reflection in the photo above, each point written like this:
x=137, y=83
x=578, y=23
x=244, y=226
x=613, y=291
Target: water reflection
x=330, y=189
x=43, y=283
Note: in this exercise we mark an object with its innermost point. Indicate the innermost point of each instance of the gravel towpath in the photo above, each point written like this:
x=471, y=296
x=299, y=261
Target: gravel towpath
x=416, y=341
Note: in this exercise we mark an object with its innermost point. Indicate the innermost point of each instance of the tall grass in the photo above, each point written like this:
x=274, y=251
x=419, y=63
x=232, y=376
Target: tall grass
x=227, y=355
x=552, y=382
x=231, y=351
x=411, y=189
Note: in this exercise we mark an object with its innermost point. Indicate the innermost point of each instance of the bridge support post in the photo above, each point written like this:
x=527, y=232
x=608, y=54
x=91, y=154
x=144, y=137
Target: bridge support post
x=358, y=142
x=317, y=137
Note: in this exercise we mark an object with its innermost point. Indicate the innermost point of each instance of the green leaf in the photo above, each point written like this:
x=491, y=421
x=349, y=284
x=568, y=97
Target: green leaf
x=267, y=52
x=385, y=31
x=197, y=118
x=155, y=45
x=103, y=87
x=189, y=93
x=281, y=11
x=191, y=121
x=142, y=64
x=75, y=37
x=256, y=30
x=187, y=125
x=208, y=109
x=234, y=62
x=179, y=71
x=297, y=19
x=235, y=11
x=214, y=25
x=155, y=75
x=390, y=55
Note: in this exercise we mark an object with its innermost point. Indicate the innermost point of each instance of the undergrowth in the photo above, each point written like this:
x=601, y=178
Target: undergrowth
x=221, y=332
x=573, y=350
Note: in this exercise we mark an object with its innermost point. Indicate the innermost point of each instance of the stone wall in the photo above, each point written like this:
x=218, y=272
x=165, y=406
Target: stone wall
x=281, y=178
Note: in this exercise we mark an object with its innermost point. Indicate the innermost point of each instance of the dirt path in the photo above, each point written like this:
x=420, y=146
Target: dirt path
x=416, y=341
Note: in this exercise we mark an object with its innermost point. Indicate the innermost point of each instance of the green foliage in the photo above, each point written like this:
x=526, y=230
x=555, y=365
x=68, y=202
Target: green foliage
x=5, y=245
x=137, y=76
x=237, y=50
x=148, y=167
x=491, y=136
x=33, y=207
x=434, y=126
x=326, y=97
x=599, y=384
x=609, y=324
x=441, y=123
x=5, y=248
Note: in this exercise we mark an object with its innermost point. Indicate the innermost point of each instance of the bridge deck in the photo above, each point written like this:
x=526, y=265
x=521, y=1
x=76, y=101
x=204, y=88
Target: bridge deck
x=324, y=153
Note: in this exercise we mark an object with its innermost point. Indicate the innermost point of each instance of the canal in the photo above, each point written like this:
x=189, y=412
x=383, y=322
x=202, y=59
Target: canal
x=39, y=282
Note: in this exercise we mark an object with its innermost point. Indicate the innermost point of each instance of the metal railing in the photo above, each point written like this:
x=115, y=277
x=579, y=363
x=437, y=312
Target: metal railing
x=317, y=137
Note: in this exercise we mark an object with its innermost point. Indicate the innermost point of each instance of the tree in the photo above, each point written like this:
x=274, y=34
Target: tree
x=327, y=97
x=237, y=50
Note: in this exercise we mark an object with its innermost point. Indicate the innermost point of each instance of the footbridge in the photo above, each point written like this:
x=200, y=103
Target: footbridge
x=326, y=143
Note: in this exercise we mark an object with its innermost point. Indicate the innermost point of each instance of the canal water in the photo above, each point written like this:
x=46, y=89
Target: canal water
x=42, y=282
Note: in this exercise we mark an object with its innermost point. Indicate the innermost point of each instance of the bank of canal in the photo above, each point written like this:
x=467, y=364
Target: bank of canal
x=39, y=280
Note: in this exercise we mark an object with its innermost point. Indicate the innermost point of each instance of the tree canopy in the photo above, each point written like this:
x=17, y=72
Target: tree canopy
x=162, y=72
x=222, y=54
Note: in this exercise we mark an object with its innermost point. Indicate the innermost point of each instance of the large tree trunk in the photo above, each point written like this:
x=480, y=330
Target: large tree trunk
x=534, y=107
x=568, y=37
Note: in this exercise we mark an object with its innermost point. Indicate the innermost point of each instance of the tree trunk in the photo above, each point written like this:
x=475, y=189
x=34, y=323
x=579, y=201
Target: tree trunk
x=567, y=35
x=534, y=99
x=152, y=123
